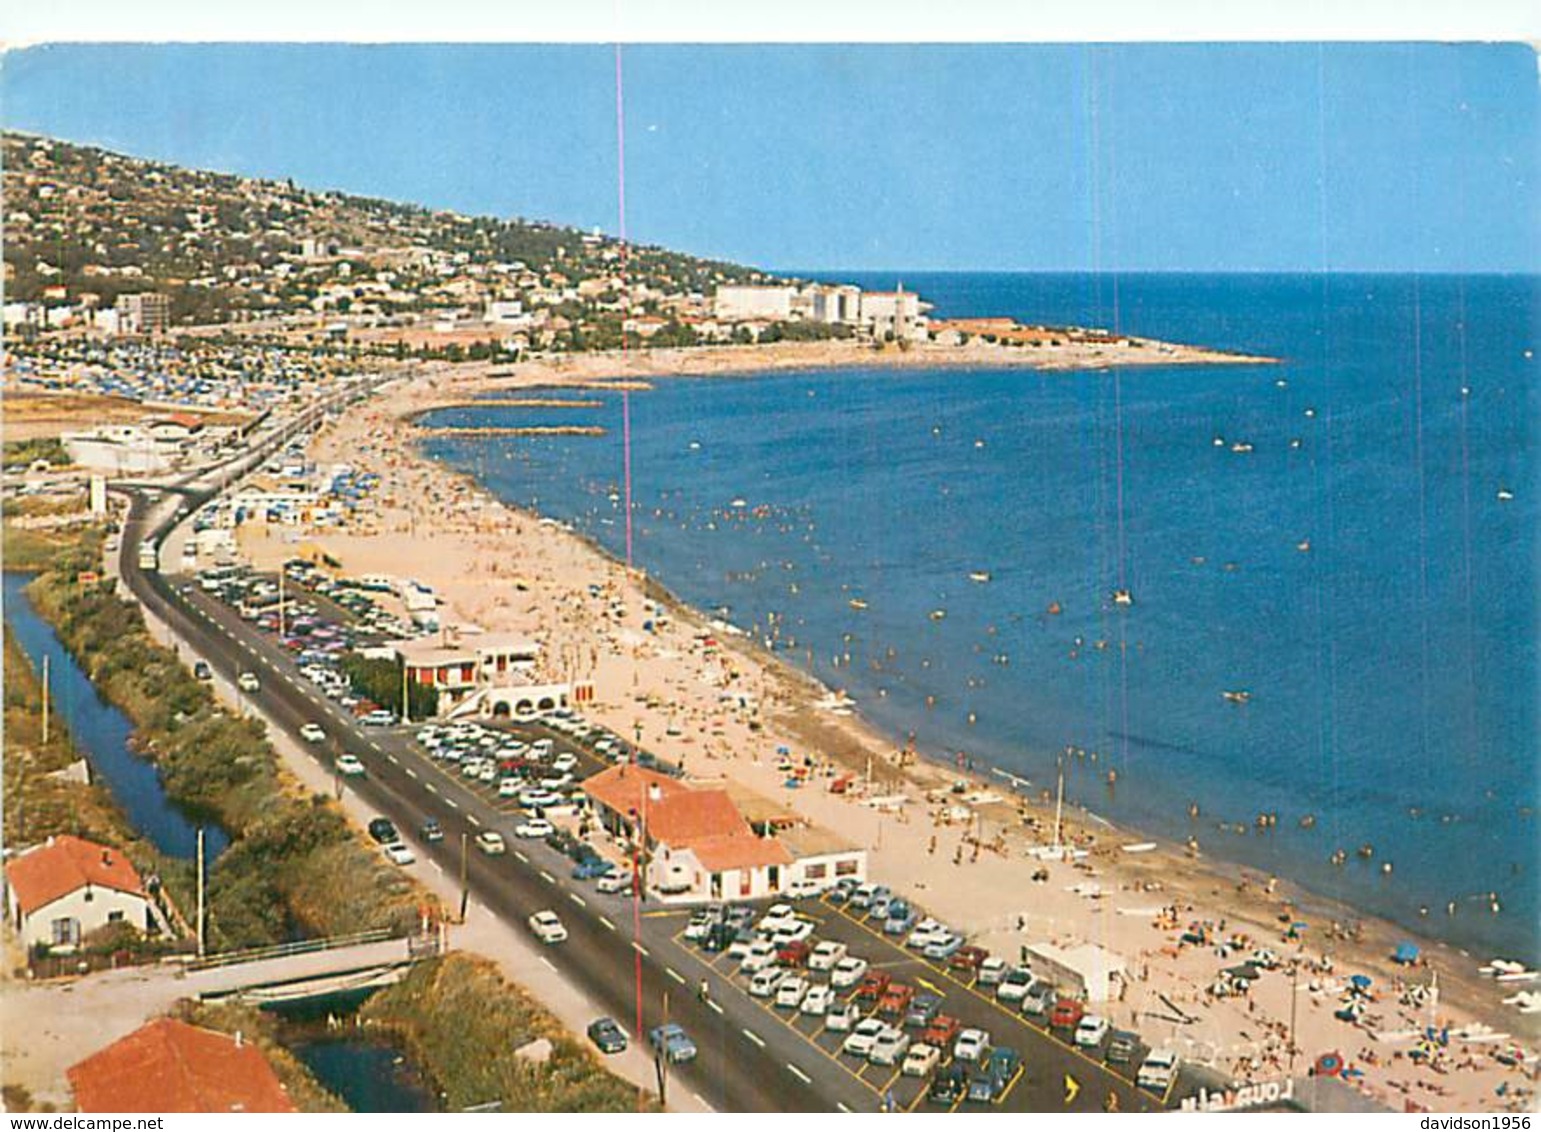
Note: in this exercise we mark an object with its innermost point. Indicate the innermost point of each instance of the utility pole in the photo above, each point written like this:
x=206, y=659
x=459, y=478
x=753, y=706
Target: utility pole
x=406, y=703
x=281, y=619
x=1294, y=998
x=202, y=913
x=662, y=1060
x=45, y=699
x=465, y=888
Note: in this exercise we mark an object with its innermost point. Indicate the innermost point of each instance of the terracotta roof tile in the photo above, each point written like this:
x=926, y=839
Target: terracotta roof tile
x=739, y=851
x=169, y=1066
x=63, y=864
x=620, y=788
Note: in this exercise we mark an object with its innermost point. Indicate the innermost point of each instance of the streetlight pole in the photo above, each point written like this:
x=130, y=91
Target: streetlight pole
x=465, y=887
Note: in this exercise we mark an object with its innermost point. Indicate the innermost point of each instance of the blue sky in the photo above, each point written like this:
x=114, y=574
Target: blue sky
x=990, y=157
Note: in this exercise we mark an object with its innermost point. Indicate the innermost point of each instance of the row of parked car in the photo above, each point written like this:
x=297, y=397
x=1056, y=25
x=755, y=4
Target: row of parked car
x=1014, y=985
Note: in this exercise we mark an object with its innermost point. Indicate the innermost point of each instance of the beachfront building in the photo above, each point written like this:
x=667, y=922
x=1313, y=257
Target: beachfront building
x=170, y=1066
x=491, y=675
x=59, y=892
x=898, y=313
x=121, y=450
x=1089, y=972
x=702, y=846
x=738, y=302
x=268, y=500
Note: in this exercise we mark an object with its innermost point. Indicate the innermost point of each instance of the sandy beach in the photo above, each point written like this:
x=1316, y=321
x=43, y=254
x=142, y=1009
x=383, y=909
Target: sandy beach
x=721, y=707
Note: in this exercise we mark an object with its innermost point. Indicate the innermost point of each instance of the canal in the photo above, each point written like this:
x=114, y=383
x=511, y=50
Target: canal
x=101, y=732
x=369, y=1072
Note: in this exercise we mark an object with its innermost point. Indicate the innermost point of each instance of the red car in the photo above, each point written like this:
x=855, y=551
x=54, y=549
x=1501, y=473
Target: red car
x=966, y=960
x=1067, y=1013
x=942, y=1032
x=896, y=1001
x=873, y=987
x=794, y=954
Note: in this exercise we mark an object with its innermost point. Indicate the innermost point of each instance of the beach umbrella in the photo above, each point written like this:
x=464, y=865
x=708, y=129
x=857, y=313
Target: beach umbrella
x=1405, y=953
x=1329, y=1064
x=1299, y=926
x=1360, y=982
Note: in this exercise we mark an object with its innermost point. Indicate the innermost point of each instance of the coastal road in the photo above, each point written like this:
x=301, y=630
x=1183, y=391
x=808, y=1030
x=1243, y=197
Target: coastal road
x=744, y=1064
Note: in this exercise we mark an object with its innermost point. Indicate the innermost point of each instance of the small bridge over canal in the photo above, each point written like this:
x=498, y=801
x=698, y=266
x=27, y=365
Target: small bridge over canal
x=308, y=968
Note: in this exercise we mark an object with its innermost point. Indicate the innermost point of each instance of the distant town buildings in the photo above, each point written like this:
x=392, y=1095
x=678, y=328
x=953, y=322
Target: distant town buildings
x=144, y=312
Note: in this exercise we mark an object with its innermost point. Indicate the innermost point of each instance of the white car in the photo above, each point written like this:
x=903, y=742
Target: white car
x=312, y=733
x=1158, y=1070
x=491, y=843
x=971, y=1045
x=556, y=781
x=538, y=799
x=761, y=954
x=565, y=762
x=488, y=771
x=926, y=933
x=826, y=955
x=620, y=880
x=509, y=788
x=777, y=917
x=992, y=971
x=398, y=854
x=841, y=1016
x=349, y=765
x=547, y=927
x=470, y=768
x=889, y=1047
x=1016, y=984
x=848, y=972
x=767, y=981
x=921, y=1060
x=818, y=1000
x=793, y=931
x=1091, y=1031
x=859, y=1042
x=249, y=682
x=534, y=827
x=791, y=991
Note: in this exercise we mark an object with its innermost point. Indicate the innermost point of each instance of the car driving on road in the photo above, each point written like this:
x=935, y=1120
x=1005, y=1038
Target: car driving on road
x=491, y=843
x=349, y=765
x=548, y=927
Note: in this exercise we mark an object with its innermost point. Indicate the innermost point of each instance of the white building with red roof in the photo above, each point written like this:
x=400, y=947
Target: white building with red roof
x=699, y=844
x=59, y=892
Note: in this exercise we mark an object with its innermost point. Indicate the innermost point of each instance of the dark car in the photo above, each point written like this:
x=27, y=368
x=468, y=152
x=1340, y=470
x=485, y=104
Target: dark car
x=923, y=1011
x=608, y=1036
x=991, y=1078
x=966, y=960
x=949, y=1085
x=672, y=1042
x=873, y=987
x=430, y=830
x=383, y=830
x=202, y=671
x=590, y=867
x=1121, y=1047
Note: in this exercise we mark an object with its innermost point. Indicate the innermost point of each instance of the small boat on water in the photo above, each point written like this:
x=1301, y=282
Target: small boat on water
x=1241, y=447
x=1238, y=697
x=938, y=614
x=979, y=576
x=1054, y=609
x=1123, y=597
x=738, y=503
x=857, y=603
x=1304, y=545
x=1505, y=495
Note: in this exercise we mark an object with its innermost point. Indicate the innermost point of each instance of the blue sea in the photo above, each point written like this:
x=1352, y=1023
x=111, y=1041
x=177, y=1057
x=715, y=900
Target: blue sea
x=1348, y=537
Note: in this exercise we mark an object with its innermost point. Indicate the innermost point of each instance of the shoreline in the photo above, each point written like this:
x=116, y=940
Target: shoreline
x=682, y=722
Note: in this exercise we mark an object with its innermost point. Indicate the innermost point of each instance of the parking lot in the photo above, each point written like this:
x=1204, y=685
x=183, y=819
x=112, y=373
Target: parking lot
x=1052, y=1075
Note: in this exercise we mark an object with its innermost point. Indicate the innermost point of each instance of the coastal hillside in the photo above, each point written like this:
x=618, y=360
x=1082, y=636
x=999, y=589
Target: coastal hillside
x=84, y=225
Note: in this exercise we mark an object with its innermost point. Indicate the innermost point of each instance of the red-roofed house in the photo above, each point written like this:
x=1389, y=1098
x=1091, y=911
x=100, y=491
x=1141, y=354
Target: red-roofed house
x=699, y=845
x=169, y=1066
x=64, y=889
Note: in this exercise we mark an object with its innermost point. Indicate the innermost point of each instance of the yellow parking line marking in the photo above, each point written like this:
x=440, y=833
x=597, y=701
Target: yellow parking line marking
x=1012, y=1084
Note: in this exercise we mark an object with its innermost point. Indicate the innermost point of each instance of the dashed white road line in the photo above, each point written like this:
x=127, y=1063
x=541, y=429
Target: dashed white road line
x=548, y=962
x=639, y=949
x=799, y=1074
x=523, y=860
x=578, y=900
x=606, y=921
x=713, y=1006
x=547, y=877
x=452, y=804
x=754, y=1037
x=841, y=1105
x=411, y=773
x=430, y=787
x=474, y=820
x=392, y=758
x=675, y=975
